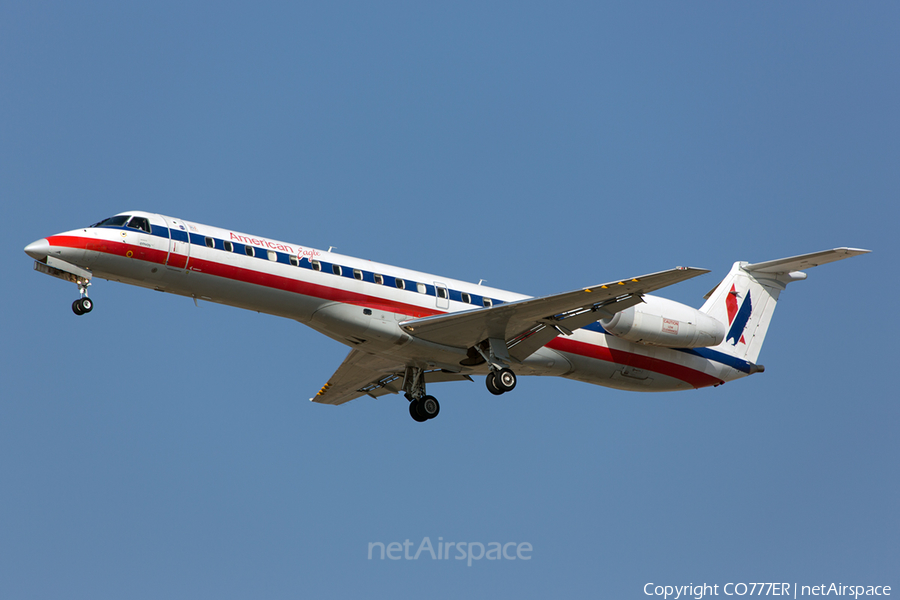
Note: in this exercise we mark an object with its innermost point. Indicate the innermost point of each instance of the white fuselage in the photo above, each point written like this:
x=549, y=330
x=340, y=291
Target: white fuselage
x=360, y=303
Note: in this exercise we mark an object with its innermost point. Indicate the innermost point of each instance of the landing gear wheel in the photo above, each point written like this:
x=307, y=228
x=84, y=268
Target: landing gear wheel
x=414, y=412
x=82, y=306
x=491, y=383
x=429, y=407
x=506, y=380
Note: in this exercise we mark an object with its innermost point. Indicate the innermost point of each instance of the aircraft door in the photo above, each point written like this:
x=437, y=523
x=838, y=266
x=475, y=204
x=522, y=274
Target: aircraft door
x=442, y=295
x=179, y=245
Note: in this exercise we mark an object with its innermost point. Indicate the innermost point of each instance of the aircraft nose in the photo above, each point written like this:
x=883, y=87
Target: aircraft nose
x=38, y=250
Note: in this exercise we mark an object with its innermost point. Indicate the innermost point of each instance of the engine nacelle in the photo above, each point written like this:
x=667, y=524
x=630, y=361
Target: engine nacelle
x=661, y=322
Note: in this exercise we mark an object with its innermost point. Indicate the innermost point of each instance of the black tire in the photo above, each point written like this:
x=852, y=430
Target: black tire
x=491, y=383
x=76, y=307
x=506, y=380
x=414, y=412
x=87, y=305
x=429, y=406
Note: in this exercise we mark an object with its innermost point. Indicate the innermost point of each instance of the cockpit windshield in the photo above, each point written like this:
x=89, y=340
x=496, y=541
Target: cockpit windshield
x=116, y=221
x=141, y=223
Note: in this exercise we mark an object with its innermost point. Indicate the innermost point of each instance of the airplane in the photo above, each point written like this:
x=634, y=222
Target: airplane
x=407, y=330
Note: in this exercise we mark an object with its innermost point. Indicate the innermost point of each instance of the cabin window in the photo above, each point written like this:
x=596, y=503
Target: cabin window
x=294, y=260
x=357, y=274
x=401, y=285
x=139, y=223
x=336, y=269
x=248, y=250
x=229, y=247
x=466, y=298
x=487, y=301
x=421, y=288
x=379, y=279
x=316, y=265
x=210, y=243
x=273, y=256
x=441, y=292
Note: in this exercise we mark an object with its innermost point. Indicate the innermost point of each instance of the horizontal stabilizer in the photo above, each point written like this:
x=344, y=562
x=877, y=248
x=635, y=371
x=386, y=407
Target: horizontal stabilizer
x=746, y=298
x=804, y=261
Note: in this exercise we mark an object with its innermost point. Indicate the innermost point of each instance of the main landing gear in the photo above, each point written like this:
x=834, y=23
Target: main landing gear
x=421, y=406
x=494, y=352
x=424, y=408
x=500, y=381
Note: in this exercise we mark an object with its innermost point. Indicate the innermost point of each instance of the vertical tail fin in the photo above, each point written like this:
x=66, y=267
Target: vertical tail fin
x=746, y=298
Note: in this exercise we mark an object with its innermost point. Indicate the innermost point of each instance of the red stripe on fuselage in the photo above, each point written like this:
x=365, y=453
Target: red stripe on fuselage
x=251, y=276
x=698, y=379
x=691, y=376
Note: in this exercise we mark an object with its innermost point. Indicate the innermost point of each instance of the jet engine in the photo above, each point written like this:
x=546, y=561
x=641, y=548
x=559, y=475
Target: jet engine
x=661, y=322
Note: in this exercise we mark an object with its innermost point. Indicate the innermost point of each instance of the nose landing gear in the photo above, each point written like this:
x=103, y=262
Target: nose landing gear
x=82, y=306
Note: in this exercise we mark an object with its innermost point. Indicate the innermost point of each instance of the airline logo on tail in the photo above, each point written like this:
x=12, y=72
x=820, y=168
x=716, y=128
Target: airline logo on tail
x=737, y=318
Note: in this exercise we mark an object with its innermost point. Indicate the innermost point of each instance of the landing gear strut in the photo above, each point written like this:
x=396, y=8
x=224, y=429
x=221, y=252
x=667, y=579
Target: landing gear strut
x=421, y=406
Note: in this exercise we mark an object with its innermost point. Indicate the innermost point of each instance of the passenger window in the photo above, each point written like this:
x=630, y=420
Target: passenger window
x=229, y=247
x=248, y=250
x=273, y=256
x=379, y=279
x=401, y=285
x=294, y=261
x=466, y=298
x=336, y=269
x=316, y=265
x=421, y=287
x=441, y=292
x=357, y=274
x=210, y=243
x=487, y=302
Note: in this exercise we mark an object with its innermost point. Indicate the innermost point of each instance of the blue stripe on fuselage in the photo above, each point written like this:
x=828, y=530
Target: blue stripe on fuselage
x=455, y=295
x=707, y=353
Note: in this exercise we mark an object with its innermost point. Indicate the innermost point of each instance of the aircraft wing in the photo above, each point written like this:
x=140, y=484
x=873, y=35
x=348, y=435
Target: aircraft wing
x=526, y=325
x=364, y=374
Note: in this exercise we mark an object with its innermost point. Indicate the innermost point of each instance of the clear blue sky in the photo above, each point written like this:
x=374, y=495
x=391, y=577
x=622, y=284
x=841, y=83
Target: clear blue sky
x=154, y=449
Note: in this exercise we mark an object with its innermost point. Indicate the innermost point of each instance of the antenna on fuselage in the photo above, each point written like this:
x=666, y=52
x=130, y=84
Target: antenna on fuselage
x=330, y=248
x=481, y=280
